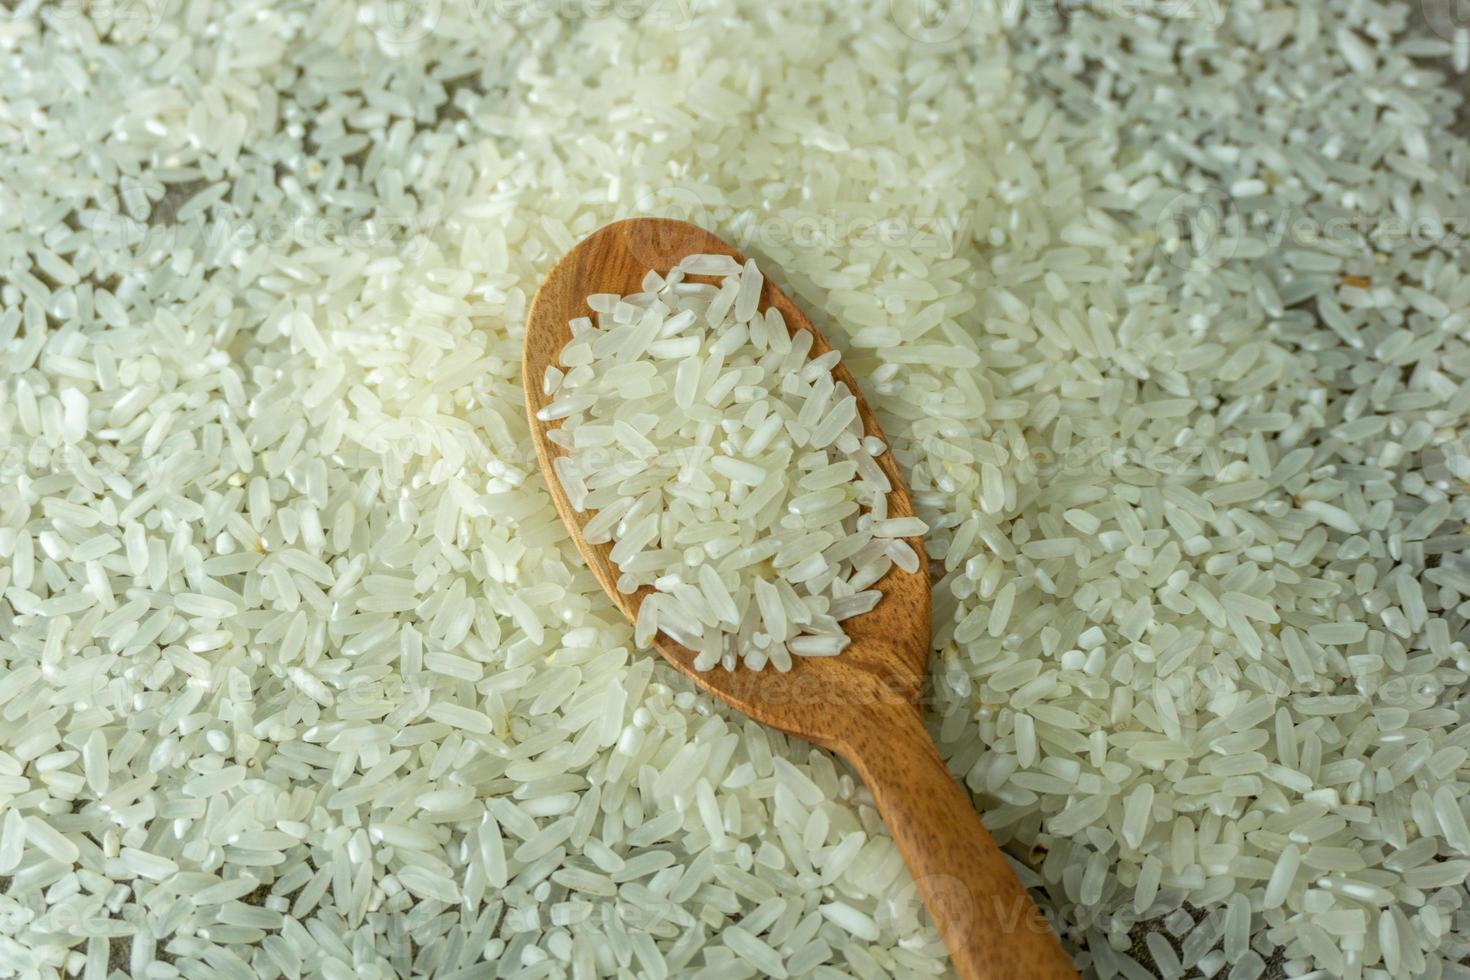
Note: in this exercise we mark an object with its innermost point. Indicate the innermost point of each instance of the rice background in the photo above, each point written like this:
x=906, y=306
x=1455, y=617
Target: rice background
x=302, y=675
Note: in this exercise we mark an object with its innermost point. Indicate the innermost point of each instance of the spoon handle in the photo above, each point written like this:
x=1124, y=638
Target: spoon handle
x=992, y=928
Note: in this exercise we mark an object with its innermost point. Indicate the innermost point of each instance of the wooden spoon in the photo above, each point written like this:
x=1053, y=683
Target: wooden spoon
x=862, y=704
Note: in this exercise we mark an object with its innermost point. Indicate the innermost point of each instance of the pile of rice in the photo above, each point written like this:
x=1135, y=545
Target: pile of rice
x=1163, y=306
x=726, y=466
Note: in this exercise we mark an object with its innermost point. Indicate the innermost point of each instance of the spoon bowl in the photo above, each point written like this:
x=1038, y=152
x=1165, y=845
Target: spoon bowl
x=862, y=704
x=890, y=643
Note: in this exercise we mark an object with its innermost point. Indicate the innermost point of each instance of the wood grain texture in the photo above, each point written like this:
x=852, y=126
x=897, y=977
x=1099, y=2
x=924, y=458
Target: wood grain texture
x=862, y=704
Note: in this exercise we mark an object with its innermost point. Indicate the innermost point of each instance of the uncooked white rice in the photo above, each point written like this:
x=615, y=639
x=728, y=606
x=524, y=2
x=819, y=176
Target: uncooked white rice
x=1163, y=308
x=727, y=467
